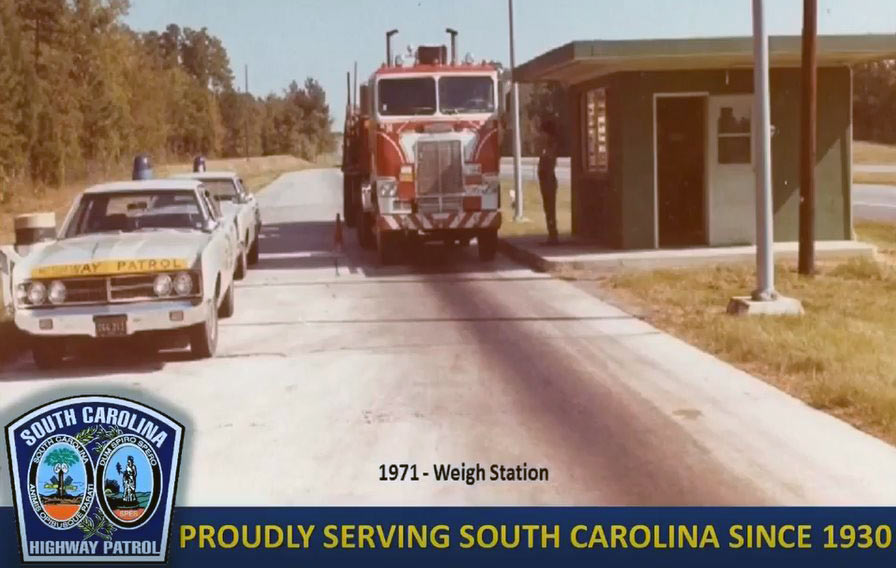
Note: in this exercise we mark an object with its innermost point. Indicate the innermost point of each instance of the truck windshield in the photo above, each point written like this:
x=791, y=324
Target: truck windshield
x=401, y=97
x=466, y=94
x=128, y=212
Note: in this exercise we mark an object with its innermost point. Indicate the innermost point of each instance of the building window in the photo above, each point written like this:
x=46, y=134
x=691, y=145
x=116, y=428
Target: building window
x=595, y=131
x=734, y=138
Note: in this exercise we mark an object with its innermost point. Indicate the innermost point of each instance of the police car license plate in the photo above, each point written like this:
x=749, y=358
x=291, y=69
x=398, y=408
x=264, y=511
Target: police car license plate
x=111, y=326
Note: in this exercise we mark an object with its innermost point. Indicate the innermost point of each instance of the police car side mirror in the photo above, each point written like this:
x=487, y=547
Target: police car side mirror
x=210, y=225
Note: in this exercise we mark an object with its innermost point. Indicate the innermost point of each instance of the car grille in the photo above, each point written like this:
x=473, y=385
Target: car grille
x=440, y=166
x=116, y=290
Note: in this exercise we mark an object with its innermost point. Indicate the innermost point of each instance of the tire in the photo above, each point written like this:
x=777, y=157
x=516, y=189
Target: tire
x=252, y=258
x=388, y=247
x=242, y=266
x=228, y=305
x=366, y=238
x=204, y=336
x=48, y=353
x=488, y=245
x=348, y=204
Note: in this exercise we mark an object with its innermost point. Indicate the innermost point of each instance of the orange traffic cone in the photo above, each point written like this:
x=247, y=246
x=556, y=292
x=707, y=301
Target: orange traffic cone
x=337, y=234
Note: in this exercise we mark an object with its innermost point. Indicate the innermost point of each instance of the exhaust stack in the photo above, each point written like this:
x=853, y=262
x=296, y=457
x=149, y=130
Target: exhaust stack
x=389, y=35
x=453, y=34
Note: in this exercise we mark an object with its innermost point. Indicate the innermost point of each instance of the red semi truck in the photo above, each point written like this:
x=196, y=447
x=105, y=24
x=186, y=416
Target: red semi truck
x=421, y=153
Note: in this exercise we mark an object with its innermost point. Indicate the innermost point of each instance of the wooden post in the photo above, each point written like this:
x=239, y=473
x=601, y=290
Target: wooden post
x=808, y=110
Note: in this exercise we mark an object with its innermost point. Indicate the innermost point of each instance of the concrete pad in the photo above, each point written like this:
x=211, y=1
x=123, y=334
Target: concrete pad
x=780, y=306
x=582, y=256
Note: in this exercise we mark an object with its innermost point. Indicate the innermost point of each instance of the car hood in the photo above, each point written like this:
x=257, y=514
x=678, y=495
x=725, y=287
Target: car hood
x=79, y=253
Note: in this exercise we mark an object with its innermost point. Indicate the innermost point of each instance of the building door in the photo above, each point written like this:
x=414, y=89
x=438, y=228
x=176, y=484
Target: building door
x=732, y=195
x=681, y=170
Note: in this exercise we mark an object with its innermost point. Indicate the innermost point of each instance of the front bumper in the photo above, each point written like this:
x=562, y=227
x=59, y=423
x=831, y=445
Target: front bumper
x=142, y=317
x=464, y=220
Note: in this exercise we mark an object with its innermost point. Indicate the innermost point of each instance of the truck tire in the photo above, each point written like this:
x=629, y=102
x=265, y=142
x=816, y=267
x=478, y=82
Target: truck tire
x=366, y=238
x=348, y=203
x=488, y=244
x=388, y=247
x=204, y=336
x=47, y=352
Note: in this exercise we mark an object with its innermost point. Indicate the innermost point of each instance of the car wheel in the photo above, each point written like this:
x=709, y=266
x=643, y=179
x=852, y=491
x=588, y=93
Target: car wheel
x=227, y=306
x=253, y=250
x=488, y=244
x=204, y=336
x=48, y=353
x=242, y=266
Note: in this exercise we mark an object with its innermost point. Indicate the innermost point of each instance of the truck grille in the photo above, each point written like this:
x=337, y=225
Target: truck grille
x=440, y=166
x=439, y=204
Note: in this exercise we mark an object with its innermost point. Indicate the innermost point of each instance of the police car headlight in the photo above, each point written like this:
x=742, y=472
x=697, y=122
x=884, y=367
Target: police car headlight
x=37, y=293
x=57, y=292
x=162, y=285
x=183, y=284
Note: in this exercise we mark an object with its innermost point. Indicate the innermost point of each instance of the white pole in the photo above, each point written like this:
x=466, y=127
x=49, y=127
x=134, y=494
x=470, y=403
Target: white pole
x=517, y=150
x=765, y=261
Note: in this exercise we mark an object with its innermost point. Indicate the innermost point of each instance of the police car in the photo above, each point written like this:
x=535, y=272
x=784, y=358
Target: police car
x=235, y=201
x=136, y=258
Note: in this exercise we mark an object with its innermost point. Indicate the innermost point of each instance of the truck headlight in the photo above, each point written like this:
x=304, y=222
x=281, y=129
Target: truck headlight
x=388, y=188
x=37, y=293
x=162, y=285
x=183, y=284
x=57, y=292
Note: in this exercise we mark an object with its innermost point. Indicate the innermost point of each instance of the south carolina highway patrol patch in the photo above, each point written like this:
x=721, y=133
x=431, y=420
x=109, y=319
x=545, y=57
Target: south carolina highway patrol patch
x=94, y=480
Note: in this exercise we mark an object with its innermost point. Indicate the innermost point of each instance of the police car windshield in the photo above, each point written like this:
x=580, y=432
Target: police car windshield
x=466, y=94
x=221, y=189
x=403, y=97
x=127, y=212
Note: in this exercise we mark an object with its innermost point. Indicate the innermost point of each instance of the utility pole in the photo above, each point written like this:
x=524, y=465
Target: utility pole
x=765, y=261
x=248, y=109
x=354, y=97
x=808, y=109
x=517, y=150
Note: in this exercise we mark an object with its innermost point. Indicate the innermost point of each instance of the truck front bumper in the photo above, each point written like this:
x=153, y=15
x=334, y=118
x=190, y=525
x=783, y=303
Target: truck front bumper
x=462, y=220
x=75, y=321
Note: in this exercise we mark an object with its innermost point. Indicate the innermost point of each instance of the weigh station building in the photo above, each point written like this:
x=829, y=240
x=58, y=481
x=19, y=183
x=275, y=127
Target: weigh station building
x=661, y=137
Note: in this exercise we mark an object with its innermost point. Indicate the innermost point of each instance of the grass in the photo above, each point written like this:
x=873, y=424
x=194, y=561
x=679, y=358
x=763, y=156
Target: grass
x=873, y=153
x=839, y=357
x=533, y=210
x=876, y=178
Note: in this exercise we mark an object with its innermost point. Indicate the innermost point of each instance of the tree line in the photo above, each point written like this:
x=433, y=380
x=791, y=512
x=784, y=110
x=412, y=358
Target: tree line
x=874, y=102
x=81, y=93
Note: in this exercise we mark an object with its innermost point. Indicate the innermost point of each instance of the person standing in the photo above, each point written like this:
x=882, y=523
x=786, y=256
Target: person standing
x=547, y=177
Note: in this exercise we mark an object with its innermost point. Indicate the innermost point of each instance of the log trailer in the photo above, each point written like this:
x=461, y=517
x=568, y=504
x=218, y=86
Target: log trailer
x=421, y=153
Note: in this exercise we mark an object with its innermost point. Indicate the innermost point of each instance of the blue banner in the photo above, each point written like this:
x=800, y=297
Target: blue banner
x=524, y=536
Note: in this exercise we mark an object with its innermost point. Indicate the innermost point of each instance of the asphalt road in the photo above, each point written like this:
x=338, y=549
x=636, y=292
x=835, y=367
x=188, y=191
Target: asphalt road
x=333, y=366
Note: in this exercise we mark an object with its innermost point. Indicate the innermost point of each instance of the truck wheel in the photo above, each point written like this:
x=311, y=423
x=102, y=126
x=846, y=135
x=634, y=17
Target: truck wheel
x=348, y=205
x=252, y=259
x=366, y=238
x=204, y=336
x=387, y=247
x=488, y=244
x=227, y=306
x=242, y=266
x=48, y=352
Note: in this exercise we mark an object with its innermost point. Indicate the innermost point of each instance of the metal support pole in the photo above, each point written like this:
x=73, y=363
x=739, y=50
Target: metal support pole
x=765, y=261
x=247, y=111
x=808, y=109
x=517, y=144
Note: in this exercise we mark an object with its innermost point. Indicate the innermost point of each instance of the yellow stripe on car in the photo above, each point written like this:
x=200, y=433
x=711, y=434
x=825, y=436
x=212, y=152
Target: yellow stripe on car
x=110, y=267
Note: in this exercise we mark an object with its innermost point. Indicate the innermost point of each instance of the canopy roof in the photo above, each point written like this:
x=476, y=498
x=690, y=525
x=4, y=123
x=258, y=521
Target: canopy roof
x=580, y=61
